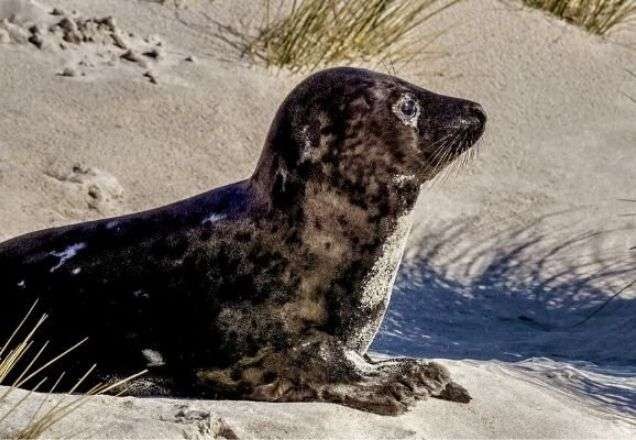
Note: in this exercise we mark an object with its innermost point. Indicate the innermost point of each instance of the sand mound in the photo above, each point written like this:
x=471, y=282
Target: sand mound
x=84, y=44
x=86, y=188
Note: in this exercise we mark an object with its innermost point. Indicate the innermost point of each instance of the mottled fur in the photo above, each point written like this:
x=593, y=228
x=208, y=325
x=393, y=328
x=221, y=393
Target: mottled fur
x=270, y=288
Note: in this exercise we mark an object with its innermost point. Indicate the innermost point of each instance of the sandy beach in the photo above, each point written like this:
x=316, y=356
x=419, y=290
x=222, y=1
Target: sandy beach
x=509, y=259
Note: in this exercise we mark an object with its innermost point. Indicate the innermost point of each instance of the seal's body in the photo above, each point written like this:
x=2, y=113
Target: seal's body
x=270, y=288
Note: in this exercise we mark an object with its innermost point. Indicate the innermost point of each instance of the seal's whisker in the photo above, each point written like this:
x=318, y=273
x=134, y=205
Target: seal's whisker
x=443, y=151
x=444, y=170
x=440, y=167
x=455, y=164
x=460, y=162
x=465, y=156
x=439, y=146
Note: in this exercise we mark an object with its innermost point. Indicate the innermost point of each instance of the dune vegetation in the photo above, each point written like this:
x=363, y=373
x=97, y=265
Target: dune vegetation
x=309, y=34
x=314, y=33
x=596, y=16
x=20, y=362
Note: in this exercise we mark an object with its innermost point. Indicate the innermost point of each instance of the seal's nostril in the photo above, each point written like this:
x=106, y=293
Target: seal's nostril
x=476, y=113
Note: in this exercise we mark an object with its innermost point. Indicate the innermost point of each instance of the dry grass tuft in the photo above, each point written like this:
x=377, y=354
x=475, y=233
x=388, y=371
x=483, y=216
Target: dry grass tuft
x=11, y=356
x=596, y=16
x=316, y=33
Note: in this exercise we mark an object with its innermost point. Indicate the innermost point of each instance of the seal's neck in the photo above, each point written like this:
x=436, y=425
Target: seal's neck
x=366, y=212
x=304, y=177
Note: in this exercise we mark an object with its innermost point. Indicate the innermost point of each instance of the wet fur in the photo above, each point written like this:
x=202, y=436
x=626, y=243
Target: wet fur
x=271, y=288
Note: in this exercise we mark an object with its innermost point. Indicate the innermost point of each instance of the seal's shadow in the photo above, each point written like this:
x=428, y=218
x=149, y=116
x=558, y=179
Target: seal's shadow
x=524, y=298
x=514, y=296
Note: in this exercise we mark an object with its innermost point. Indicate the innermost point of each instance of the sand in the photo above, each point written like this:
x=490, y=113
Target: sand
x=507, y=258
x=509, y=407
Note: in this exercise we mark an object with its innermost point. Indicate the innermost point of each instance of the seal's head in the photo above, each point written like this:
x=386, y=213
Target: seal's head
x=352, y=130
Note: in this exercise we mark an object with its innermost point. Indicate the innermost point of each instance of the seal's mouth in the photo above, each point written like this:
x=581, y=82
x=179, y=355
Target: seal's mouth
x=456, y=127
x=467, y=127
x=470, y=125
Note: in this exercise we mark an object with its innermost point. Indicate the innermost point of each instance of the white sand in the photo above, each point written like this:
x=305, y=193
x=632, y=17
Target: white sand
x=509, y=407
x=487, y=279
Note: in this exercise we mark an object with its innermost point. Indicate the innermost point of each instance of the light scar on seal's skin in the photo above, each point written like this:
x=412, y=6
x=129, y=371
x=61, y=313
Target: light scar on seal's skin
x=271, y=288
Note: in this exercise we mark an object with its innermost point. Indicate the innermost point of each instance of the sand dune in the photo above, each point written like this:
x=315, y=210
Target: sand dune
x=102, y=116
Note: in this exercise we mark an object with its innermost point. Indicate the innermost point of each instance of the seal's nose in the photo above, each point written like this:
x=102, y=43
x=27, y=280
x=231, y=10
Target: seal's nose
x=473, y=116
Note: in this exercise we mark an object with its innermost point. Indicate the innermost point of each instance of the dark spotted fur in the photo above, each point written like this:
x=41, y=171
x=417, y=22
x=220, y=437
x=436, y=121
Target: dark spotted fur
x=266, y=288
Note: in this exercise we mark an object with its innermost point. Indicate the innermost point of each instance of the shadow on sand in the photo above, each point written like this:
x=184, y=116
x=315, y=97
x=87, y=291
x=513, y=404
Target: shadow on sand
x=521, y=296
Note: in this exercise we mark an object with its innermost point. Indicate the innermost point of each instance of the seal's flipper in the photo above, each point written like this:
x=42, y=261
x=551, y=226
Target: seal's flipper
x=323, y=370
x=454, y=393
x=390, y=387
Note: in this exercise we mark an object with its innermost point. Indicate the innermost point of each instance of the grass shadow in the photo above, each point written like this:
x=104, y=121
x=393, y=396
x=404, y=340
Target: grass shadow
x=521, y=295
x=515, y=295
x=551, y=307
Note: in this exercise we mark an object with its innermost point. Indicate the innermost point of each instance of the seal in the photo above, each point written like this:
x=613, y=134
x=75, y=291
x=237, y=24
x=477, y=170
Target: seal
x=271, y=288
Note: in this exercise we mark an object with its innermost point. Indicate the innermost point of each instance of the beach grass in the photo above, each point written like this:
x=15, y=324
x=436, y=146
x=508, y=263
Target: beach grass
x=314, y=33
x=596, y=16
x=22, y=358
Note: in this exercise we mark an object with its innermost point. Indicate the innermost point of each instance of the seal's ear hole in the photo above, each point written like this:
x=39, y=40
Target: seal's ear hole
x=281, y=181
x=309, y=139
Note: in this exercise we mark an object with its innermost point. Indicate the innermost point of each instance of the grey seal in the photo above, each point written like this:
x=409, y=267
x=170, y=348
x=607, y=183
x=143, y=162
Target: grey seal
x=271, y=288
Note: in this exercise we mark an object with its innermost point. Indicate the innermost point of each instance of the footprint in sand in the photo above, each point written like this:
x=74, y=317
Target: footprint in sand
x=86, y=191
x=85, y=44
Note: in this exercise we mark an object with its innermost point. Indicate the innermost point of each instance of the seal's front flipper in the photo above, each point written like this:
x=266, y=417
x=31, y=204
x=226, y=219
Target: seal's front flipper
x=455, y=393
x=322, y=370
x=401, y=382
x=451, y=391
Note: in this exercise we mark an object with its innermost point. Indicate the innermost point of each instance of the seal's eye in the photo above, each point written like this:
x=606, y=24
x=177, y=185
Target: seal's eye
x=408, y=107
